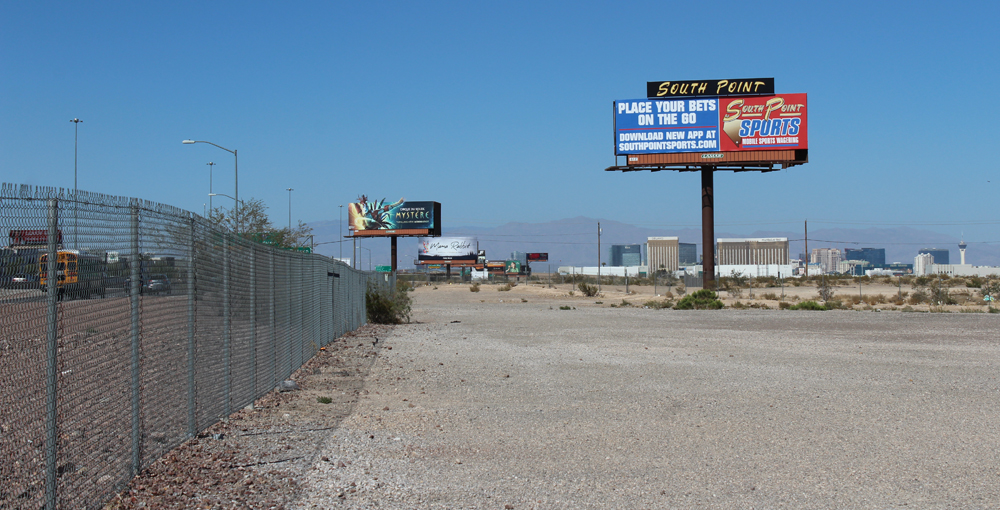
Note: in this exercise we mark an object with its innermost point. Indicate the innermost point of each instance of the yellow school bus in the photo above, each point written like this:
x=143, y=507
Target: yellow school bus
x=79, y=275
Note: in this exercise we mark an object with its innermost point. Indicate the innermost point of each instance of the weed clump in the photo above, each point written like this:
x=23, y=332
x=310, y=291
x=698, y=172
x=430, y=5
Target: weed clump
x=659, y=305
x=587, y=290
x=703, y=299
x=808, y=305
x=474, y=287
x=385, y=306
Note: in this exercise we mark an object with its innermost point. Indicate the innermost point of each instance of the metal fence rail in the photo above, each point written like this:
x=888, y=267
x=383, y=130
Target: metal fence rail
x=103, y=370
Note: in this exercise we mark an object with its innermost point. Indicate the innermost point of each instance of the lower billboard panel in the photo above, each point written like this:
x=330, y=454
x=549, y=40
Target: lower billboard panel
x=447, y=248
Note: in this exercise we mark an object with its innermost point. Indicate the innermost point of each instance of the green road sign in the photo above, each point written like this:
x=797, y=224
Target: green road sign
x=383, y=269
x=304, y=249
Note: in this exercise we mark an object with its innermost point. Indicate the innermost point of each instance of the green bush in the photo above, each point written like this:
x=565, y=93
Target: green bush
x=658, y=305
x=704, y=299
x=386, y=306
x=808, y=305
x=588, y=290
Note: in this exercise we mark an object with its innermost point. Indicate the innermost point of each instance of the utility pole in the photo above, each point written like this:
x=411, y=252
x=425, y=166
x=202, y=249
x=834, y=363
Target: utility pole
x=76, y=203
x=598, y=257
x=807, y=249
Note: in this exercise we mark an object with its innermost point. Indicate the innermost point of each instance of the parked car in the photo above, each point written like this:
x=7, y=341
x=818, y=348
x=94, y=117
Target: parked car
x=127, y=285
x=158, y=283
x=24, y=281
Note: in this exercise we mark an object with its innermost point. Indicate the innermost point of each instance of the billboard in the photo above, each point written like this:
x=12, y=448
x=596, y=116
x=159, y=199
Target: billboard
x=400, y=215
x=32, y=237
x=711, y=124
x=537, y=257
x=447, y=248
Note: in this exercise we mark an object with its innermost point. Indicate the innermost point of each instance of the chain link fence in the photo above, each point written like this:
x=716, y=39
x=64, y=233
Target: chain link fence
x=155, y=325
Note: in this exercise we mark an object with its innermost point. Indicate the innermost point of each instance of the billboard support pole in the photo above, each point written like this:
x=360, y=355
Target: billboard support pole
x=393, y=244
x=708, y=227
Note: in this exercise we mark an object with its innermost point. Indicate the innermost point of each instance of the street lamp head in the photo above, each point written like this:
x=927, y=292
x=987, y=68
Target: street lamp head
x=187, y=141
x=289, y=189
x=77, y=121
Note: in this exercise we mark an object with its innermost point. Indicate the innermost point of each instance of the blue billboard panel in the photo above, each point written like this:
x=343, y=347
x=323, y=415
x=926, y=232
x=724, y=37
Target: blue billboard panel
x=659, y=126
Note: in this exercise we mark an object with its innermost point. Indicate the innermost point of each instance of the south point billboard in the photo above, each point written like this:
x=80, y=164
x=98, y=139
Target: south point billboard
x=711, y=124
x=378, y=217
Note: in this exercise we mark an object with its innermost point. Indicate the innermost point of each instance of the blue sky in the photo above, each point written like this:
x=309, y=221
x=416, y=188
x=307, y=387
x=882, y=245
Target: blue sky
x=501, y=112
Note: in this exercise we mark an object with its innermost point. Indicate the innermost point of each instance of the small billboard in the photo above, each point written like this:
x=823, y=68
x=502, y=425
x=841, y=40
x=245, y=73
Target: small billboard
x=447, y=248
x=32, y=237
x=537, y=257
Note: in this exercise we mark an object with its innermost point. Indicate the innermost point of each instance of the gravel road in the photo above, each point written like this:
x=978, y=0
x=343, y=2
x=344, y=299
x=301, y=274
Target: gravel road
x=519, y=404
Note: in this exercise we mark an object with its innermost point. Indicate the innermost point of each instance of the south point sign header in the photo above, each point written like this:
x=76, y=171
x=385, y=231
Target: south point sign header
x=731, y=87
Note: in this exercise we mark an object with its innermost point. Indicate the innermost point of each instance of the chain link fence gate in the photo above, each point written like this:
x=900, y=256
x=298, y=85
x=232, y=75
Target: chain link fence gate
x=155, y=325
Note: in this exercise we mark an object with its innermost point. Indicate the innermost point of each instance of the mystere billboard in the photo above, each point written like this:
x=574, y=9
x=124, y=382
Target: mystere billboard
x=711, y=124
x=447, y=248
x=368, y=215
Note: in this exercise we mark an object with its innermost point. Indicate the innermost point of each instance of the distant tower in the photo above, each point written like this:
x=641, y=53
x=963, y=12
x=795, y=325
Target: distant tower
x=961, y=249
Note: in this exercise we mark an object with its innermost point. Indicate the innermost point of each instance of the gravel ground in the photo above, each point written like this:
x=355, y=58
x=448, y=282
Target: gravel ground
x=503, y=400
x=523, y=405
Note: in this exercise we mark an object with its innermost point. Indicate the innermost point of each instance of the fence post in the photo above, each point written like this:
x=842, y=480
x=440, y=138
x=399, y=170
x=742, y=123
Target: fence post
x=302, y=310
x=226, y=330
x=253, y=324
x=289, y=264
x=136, y=287
x=51, y=349
x=192, y=425
x=274, y=329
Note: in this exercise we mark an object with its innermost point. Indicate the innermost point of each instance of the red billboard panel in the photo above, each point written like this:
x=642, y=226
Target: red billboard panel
x=32, y=237
x=538, y=257
x=777, y=122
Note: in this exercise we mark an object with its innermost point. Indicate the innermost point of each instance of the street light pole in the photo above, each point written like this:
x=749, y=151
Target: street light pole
x=341, y=222
x=236, y=202
x=210, y=165
x=236, y=161
x=290, y=210
x=76, y=139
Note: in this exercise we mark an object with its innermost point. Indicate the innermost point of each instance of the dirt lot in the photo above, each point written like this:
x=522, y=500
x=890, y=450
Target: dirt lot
x=532, y=398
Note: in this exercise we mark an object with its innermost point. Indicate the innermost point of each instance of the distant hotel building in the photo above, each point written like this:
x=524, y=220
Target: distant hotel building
x=627, y=255
x=827, y=258
x=941, y=256
x=773, y=250
x=669, y=253
x=663, y=253
x=688, y=253
x=875, y=257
